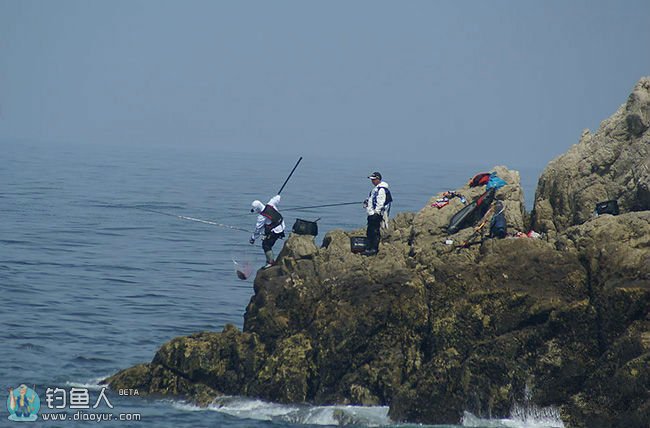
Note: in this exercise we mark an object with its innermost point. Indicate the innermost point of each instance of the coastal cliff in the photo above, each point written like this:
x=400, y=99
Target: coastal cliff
x=433, y=329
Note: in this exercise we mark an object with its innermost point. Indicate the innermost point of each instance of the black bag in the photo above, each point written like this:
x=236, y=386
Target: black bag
x=304, y=227
x=607, y=207
x=358, y=244
x=470, y=214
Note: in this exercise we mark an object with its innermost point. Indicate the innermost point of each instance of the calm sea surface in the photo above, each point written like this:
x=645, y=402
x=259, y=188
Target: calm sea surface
x=91, y=285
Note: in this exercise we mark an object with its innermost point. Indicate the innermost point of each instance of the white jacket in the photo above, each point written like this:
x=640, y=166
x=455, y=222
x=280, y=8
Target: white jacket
x=380, y=196
x=263, y=221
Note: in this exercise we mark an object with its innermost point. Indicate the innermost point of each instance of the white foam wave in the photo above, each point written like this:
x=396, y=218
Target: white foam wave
x=534, y=416
x=182, y=405
x=249, y=408
x=93, y=384
x=529, y=416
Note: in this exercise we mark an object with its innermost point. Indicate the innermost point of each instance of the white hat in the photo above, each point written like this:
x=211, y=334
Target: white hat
x=257, y=207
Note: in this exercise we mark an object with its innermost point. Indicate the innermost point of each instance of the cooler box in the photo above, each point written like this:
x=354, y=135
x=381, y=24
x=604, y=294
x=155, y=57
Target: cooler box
x=358, y=244
x=607, y=207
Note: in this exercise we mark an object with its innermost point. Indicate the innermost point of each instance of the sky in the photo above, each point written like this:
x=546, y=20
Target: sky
x=502, y=82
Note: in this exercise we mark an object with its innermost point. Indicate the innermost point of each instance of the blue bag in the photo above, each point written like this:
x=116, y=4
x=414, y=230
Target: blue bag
x=498, y=224
x=495, y=182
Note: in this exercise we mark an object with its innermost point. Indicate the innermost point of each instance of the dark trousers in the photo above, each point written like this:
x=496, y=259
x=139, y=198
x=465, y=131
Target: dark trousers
x=373, y=232
x=269, y=240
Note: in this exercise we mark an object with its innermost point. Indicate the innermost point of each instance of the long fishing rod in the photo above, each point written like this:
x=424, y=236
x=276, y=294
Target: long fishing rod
x=198, y=220
x=290, y=174
x=303, y=208
x=321, y=206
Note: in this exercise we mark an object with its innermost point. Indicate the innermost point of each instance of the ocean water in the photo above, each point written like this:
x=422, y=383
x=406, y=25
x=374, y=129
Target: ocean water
x=91, y=285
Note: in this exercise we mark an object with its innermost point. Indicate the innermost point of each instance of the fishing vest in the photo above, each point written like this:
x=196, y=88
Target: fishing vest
x=272, y=214
x=389, y=199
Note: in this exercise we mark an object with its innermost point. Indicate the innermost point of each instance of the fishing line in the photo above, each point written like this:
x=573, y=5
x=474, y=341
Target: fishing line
x=198, y=220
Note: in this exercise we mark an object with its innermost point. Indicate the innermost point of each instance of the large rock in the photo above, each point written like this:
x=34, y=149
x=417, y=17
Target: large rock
x=616, y=254
x=201, y=366
x=613, y=163
x=433, y=222
x=493, y=318
x=433, y=329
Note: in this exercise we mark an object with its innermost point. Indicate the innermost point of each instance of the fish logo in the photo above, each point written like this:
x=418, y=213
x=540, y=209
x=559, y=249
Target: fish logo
x=23, y=404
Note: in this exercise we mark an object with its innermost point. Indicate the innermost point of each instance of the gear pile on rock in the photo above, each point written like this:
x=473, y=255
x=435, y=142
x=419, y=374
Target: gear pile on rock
x=432, y=331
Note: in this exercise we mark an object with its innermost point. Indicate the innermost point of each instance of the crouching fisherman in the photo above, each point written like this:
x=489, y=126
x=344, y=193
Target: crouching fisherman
x=378, y=208
x=269, y=222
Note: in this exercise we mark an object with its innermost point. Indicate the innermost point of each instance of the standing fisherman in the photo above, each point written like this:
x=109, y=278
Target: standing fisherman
x=377, y=207
x=271, y=223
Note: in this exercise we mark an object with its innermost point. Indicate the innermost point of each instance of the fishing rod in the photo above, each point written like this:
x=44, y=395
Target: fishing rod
x=290, y=174
x=321, y=206
x=198, y=220
x=303, y=208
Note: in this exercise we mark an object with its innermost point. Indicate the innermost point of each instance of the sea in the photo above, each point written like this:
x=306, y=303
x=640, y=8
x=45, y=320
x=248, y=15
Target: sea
x=103, y=259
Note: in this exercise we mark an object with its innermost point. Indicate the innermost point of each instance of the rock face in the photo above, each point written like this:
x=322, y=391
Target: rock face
x=613, y=163
x=433, y=329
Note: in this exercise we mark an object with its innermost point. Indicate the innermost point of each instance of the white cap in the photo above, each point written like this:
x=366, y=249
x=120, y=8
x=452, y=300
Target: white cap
x=257, y=207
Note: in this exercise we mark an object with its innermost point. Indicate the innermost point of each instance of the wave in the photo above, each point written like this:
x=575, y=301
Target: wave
x=250, y=408
x=521, y=416
x=80, y=359
x=91, y=384
x=14, y=241
x=32, y=348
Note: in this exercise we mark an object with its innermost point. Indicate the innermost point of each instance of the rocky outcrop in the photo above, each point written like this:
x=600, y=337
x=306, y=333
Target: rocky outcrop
x=615, y=252
x=201, y=366
x=433, y=329
x=613, y=163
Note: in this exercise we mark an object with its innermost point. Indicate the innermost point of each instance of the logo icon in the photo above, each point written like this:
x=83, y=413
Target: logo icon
x=23, y=404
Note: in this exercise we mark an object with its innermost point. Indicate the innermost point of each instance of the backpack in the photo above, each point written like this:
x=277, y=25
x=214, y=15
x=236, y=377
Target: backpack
x=495, y=181
x=498, y=224
x=479, y=179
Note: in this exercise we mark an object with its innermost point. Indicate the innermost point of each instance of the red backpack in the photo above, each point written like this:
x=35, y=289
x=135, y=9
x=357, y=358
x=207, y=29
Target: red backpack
x=479, y=179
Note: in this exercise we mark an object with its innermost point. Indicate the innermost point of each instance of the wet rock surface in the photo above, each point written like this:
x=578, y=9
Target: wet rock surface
x=433, y=329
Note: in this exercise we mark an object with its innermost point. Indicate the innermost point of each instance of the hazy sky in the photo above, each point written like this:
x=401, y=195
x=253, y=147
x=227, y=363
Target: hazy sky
x=510, y=82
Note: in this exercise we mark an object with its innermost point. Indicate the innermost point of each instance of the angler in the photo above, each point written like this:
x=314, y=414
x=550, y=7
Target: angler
x=271, y=224
x=378, y=208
